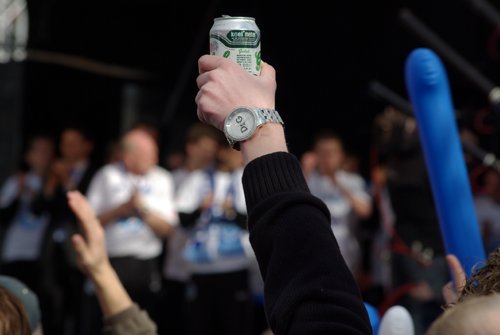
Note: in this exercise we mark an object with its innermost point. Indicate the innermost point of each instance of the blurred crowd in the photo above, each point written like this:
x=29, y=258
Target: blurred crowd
x=176, y=230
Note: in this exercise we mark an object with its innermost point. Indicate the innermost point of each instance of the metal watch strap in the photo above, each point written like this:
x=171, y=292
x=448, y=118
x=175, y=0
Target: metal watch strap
x=267, y=115
x=270, y=115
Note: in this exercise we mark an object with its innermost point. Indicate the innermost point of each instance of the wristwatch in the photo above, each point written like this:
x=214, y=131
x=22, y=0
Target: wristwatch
x=242, y=123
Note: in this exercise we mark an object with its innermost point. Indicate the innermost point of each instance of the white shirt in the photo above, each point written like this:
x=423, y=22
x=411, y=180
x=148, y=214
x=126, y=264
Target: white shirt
x=111, y=187
x=342, y=215
x=191, y=195
x=176, y=266
x=24, y=236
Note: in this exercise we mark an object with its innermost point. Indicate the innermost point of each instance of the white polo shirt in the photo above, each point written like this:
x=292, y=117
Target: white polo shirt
x=343, y=218
x=112, y=186
x=191, y=195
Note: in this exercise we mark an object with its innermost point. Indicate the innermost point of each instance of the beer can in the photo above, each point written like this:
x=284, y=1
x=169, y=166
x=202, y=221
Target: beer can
x=237, y=38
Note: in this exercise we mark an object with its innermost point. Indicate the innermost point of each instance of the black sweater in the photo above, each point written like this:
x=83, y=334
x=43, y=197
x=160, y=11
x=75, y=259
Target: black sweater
x=308, y=287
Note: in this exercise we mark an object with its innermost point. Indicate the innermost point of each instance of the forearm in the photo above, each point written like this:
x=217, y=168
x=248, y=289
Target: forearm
x=361, y=207
x=112, y=296
x=268, y=139
x=157, y=224
x=307, y=283
x=111, y=215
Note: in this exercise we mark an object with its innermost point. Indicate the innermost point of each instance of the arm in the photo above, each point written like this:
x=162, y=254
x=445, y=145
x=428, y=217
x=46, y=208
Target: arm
x=98, y=193
x=308, y=287
x=160, y=216
x=124, y=210
x=157, y=223
x=93, y=260
x=307, y=283
x=361, y=207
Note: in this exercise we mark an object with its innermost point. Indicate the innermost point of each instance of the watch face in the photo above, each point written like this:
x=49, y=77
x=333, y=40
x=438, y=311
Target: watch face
x=240, y=124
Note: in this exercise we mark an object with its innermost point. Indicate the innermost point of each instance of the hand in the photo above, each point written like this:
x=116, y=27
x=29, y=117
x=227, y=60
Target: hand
x=452, y=290
x=130, y=207
x=224, y=85
x=207, y=202
x=91, y=247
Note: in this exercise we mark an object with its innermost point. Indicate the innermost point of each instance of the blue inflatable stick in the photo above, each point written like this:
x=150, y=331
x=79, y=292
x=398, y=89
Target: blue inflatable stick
x=429, y=91
x=373, y=316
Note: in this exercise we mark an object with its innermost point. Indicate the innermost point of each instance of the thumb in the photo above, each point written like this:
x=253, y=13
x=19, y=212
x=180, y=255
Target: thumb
x=267, y=71
x=457, y=271
x=79, y=245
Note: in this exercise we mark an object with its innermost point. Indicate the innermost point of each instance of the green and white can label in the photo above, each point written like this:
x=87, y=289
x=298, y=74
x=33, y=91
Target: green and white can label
x=238, y=39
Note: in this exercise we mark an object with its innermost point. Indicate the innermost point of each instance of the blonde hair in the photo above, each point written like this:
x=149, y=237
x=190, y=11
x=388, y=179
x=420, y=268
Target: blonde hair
x=474, y=315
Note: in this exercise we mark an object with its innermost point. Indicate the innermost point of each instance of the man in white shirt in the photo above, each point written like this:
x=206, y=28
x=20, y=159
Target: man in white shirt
x=133, y=199
x=344, y=193
x=219, y=293
x=200, y=149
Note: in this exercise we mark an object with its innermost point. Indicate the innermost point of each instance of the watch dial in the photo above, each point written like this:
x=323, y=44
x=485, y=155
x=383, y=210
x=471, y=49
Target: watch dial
x=240, y=124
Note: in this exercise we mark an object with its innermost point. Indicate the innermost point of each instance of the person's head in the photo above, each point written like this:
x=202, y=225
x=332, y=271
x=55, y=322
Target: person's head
x=139, y=151
x=484, y=280
x=40, y=153
x=148, y=126
x=329, y=151
x=202, y=143
x=19, y=308
x=13, y=318
x=75, y=144
x=474, y=315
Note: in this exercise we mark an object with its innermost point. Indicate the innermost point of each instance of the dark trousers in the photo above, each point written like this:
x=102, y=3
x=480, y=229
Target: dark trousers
x=61, y=292
x=173, y=308
x=219, y=304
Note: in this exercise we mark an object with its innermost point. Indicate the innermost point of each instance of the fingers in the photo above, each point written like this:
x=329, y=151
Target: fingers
x=450, y=295
x=457, y=271
x=79, y=245
x=208, y=63
x=267, y=71
x=84, y=212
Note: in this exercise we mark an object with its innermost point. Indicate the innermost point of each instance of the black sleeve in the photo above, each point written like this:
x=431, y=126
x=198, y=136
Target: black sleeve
x=41, y=204
x=7, y=213
x=188, y=220
x=241, y=220
x=307, y=285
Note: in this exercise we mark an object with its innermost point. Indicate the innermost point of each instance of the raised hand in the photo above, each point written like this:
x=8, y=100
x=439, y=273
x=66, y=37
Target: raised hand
x=90, y=246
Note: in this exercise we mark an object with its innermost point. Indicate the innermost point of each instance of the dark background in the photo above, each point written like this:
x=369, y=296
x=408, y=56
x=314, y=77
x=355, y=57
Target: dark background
x=325, y=54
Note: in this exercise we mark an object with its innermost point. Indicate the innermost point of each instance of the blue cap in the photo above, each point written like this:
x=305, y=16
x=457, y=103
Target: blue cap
x=26, y=296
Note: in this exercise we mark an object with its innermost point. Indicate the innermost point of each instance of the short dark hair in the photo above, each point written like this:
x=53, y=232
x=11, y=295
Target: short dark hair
x=199, y=130
x=80, y=129
x=327, y=134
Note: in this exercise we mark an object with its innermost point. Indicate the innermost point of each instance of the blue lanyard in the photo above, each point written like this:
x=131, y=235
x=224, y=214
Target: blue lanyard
x=230, y=193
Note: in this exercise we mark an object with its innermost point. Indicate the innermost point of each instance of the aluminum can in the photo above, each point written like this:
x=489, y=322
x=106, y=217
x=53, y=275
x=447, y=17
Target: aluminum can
x=237, y=38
